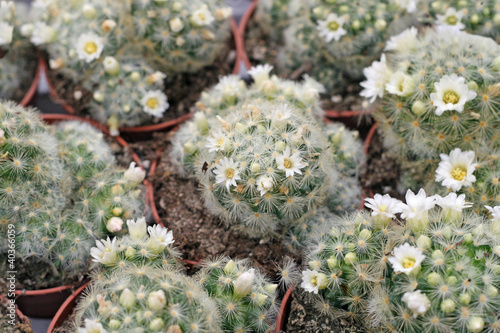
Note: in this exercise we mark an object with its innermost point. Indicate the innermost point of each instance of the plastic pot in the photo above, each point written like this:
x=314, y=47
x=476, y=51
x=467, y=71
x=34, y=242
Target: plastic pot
x=284, y=311
x=143, y=132
x=242, y=29
x=30, y=94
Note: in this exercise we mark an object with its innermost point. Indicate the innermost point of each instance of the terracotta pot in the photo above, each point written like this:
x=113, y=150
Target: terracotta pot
x=22, y=318
x=30, y=94
x=144, y=132
x=242, y=29
x=42, y=303
x=368, y=142
x=284, y=311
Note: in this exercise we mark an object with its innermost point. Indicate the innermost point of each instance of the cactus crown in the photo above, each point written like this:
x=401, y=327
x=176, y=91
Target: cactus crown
x=246, y=298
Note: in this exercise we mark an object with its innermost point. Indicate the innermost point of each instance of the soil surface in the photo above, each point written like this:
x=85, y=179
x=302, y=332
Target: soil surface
x=21, y=325
x=304, y=318
x=197, y=233
x=182, y=90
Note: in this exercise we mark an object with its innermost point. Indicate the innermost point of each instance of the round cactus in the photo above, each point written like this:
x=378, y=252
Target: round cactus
x=245, y=297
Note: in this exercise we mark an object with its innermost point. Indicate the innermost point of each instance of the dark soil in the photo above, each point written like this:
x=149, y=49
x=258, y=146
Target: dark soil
x=304, y=318
x=197, y=233
x=182, y=90
x=259, y=46
x=21, y=325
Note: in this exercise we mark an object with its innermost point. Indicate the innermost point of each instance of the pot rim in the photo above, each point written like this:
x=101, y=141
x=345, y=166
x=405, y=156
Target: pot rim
x=30, y=94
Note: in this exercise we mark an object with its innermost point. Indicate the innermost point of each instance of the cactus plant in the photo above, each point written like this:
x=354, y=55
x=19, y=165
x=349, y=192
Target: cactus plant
x=139, y=288
x=17, y=56
x=246, y=298
x=61, y=190
x=437, y=100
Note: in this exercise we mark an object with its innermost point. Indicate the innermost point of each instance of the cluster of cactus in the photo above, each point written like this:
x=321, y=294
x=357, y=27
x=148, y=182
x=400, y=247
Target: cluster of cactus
x=438, y=92
x=479, y=18
x=17, y=55
x=245, y=297
x=95, y=43
x=261, y=156
x=272, y=17
x=332, y=40
x=61, y=189
x=439, y=270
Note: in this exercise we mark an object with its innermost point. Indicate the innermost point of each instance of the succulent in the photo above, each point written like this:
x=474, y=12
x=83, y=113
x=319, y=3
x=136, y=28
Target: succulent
x=333, y=40
x=437, y=100
x=272, y=17
x=17, y=55
x=245, y=297
x=61, y=190
x=180, y=36
x=478, y=18
x=139, y=288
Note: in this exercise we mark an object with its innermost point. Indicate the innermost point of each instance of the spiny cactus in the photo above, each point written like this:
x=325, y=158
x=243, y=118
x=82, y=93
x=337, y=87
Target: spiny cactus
x=335, y=40
x=229, y=94
x=128, y=93
x=246, y=298
x=272, y=17
x=142, y=290
x=438, y=92
x=17, y=56
x=179, y=36
x=266, y=164
x=479, y=18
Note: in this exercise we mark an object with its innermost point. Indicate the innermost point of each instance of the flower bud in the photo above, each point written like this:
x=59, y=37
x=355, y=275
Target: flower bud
x=108, y=25
x=223, y=13
x=127, y=299
x=261, y=299
x=475, y=324
x=130, y=252
x=280, y=146
x=380, y=24
x=433, y=279
x=230, y=267
x=332, y=262
x=98, y=96
x=114, y=224
x=446, y=232
x=135, y=76
x=111, y=65
x=356, y=24
x=179, y=41
x=424, y=242
x=115, y=324
x=137, y=229
x=437, y=254
x=177, y=6
x=176, y=24
x=350, y=258
x=243, y=284
x=418, y=108
x=240, y=128
x=365, y=234
x=255, y=167
x=189, y=148
x=447, y=306
x=117, y=211
x=89, y=11
x=496, y=19
x=270, y=288
x=201, y=122
x=157, y=300
x=491, y=291
x=452, y=280
x=314, y=264
x=156, y=324
x=134, y=174
x=468, y=238
x=268, y=87
x=465, y=298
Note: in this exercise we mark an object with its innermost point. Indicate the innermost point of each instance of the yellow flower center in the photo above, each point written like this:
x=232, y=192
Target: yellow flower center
x=452, y=20
x=220, y=142
x=451, y=97
x=314, y=281
x=152, y=103
x=333, y=26
x=458, y=174
x=383, y=208
x=408, y=262
x=90, y=47
x=201, y=16
x=230, y=173
x=287, y=163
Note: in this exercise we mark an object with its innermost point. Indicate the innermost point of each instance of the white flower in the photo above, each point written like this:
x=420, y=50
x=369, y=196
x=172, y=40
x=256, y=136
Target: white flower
x=475, y=324
x=244, y=283
x=310, y=89
x=377, y=75
x=494, y=211
x=137, y=229
x=404, y=42
x=223, y=13
x=264, y=184
x=156, y=77
x=452, y=202
x=43, y=34
x=409, y=5
x=383, y=205
x=260, y=73
x=176, y=24
x=406, y=259
x=313, y=281
x=105, y=252
x=331, y=28
x=456, y=170
x=5, y=33
x=159, y=238
x=227, y=171
x=134, y=174
x=417, y=302
x=217, y=141
x=111, y=65
x=400, y=84
x=27, y=29
x=155, y=103
x=451, y=94
x=416, y=210
x=202, y=17
x=92, y=326
x=157, y=300
x=281, y=114
x=114, y=224
x=451, y=18
x=291, y=164
x=89, y=47
x=108, y=25
x=230, y=86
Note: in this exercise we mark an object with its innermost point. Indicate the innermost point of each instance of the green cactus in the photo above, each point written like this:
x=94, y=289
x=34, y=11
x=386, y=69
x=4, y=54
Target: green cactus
x=246, y=298
x=142, y=289
x=439, y=99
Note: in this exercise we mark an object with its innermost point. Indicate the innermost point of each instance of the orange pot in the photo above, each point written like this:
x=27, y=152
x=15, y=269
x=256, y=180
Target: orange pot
x=30, y=94
x=242, y=29
x=141, y=132
x=284, y=311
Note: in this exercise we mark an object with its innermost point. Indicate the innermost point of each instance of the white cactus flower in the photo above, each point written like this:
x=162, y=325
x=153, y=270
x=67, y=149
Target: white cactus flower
x=226, y=171
x=260, y=73
x=456, y=169
x=377, y=75
x=406, y=259
x=264, y=184
x=331, y=28
x=383, y=205
x=155, y=103
x=291, y=164
x=417, y=302
x=134, y=174
x=159, y=238
x=313, y=281
x=451, y=18
x=89, y=47
x=114, y=224
x=105, y=252
x=451, y=94
x=244, y=283
x=202, y=17
x=137, y=229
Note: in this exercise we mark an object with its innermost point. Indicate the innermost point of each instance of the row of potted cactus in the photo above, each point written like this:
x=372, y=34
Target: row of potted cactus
x=269, y=165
